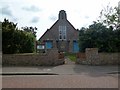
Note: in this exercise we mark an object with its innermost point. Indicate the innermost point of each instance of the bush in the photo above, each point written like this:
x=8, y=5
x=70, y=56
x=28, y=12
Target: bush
x=16, y=41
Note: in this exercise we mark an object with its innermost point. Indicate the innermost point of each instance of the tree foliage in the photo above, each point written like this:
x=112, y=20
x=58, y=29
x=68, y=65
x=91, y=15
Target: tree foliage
x=101, y=37
x=14, y=40
x=30, y=29
x=109, y=16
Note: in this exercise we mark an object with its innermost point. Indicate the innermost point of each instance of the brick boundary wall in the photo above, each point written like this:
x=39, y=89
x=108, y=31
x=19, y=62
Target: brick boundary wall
x=81, y=58
x=92, y=57
x=51, y=58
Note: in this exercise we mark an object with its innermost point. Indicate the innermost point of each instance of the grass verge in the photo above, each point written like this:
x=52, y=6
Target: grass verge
x=71, y=56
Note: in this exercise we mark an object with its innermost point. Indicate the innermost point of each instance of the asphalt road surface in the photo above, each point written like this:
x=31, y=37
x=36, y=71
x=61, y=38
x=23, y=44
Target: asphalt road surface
x=60, y=81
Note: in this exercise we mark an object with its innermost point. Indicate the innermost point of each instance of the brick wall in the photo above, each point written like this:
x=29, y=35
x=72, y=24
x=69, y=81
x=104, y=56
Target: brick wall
x=92, y=57
x=47, y=59
x=81, y=58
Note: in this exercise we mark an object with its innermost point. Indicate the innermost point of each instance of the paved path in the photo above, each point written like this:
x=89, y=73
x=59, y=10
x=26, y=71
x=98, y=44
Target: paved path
x=68, y=61
x=63, y=69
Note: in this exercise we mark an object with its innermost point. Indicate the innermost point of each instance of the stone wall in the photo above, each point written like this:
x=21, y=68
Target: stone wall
x=92, y=57
x=109, y=58
x=47, y=59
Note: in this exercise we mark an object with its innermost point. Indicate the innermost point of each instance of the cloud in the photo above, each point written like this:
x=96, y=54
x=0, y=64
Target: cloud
x=31, y=8
x=86, y=17
x=53, y=18
x=35, y=19
x=15, y=19
x=6, y=11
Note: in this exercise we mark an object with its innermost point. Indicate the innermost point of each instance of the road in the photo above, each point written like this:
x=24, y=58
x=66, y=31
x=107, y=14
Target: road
x=69, y=75
x=60, y=81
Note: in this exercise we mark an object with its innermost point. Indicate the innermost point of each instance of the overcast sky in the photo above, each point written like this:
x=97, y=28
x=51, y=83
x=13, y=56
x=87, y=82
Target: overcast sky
x=44, y=13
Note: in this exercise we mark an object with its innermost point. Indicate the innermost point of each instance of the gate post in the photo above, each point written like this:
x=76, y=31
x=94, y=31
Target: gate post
x=92, y=56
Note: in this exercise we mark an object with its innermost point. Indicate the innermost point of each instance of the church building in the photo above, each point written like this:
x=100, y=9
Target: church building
x=61, y=35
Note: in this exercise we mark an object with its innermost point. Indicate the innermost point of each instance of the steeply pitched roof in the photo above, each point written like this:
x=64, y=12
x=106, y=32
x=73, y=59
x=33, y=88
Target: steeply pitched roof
x=47, y=30
x=60, y=16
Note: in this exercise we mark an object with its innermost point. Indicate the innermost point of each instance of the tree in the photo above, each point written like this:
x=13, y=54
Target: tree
x=16, y=41
x=33, y=32
x=109, y=16
x=101, y=37
x=30, y=29
x=8, y=29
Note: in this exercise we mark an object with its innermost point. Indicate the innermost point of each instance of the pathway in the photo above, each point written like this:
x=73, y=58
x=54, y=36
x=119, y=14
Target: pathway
x=68, y=61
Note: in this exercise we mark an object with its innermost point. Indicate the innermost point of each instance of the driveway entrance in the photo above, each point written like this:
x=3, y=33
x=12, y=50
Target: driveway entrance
x=68, y=61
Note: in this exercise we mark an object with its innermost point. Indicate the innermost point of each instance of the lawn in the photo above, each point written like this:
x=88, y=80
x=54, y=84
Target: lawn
x=71, y=56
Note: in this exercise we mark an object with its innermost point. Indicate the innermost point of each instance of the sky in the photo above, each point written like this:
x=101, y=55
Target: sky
x=44, y=13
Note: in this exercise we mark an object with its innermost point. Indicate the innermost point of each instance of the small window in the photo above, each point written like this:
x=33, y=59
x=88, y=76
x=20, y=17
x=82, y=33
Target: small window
x=64, y=37
x=60, y=32
x=60, y=37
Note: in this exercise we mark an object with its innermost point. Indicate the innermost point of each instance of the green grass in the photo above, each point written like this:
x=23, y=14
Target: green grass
x=71, y=56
